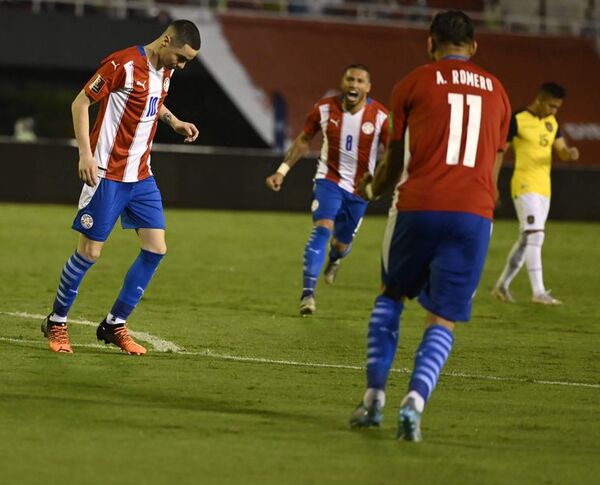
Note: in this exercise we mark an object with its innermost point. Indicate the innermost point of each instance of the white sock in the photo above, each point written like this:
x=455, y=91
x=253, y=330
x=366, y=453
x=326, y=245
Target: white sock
x=112, y=320
x=372, y=394
x=533, y=259
x=419, y=401
x=57, y=319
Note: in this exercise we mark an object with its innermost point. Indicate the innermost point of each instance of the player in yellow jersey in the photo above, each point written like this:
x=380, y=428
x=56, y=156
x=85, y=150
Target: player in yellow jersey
x=534, y=132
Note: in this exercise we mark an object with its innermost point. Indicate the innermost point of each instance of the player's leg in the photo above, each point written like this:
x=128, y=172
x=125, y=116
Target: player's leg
x=98, y=212
x=404, y=270
x=144, y=213
x=447, y=296
x=326, y=203
x=538, y=207
x=346, y=226
x=516, y=256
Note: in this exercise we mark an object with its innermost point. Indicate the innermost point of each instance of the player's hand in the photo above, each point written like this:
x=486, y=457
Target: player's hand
x=275, y=181
x=88, y=170
x=188, y=130
x=362, y=186
x=573, y=154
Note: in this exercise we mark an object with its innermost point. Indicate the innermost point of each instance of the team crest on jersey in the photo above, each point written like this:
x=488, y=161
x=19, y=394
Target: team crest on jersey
x=549, y=126
x=87, y=221
x=314, y=206
x=368, y=128
x=166, y=84
x=97, y=84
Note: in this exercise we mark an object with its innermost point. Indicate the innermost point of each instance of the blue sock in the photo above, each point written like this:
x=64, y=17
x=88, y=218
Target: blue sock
x=429, y=359
x=334, y=254
x=382, y=340
x=73, y=272
x=137, y=279
x=314, y=257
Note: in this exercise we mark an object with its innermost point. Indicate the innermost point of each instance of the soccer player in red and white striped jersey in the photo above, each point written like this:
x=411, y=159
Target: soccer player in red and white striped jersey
x=114, y=163
x=353, y=127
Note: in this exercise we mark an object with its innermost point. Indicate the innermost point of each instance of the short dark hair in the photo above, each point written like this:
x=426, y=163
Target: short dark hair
x=186, y=32
x=358, y=65
x=452, y=27
x=552, y=90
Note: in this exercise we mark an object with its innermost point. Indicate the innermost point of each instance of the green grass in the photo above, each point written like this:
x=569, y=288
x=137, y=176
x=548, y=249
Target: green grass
x=230, y=284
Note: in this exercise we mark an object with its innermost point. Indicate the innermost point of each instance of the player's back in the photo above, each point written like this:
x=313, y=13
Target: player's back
x=454, y=117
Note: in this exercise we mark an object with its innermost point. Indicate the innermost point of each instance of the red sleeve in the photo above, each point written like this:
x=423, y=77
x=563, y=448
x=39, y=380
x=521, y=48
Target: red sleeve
x=109, y=77
x=313, y=121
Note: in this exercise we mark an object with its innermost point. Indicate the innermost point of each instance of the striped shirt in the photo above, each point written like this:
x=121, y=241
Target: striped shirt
x=350, y=141
x=131, y=92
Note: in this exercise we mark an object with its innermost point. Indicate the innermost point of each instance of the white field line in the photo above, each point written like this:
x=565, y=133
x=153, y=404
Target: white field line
x=166, y=346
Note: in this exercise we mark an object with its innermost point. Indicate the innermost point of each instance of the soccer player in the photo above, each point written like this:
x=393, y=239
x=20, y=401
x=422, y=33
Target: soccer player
x=353, y=127
x=114, y=163
x=449, y=122
x=533, y=132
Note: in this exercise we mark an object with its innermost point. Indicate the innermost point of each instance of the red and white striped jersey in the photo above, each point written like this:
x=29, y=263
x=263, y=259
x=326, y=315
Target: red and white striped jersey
x=131, y=92
x=350, y=141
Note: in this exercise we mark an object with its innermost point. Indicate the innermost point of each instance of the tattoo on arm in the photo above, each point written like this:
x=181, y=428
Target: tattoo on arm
x=166, y=118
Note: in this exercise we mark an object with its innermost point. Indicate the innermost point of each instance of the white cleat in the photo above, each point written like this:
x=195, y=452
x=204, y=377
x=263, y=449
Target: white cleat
x=545, y=299
x=503, y=294
x=331, y=271
x=308, y=306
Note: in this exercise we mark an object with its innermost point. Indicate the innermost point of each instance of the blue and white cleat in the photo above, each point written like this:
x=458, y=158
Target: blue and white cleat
x=308, y=306
x=367, y=416
x=409, y=421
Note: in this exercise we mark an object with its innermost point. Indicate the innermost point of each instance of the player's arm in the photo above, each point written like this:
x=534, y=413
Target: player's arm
x=299, y=148
x=565, y=152
x=386, y=173
x=88, y=168
x=496, y=171
x=184, y=128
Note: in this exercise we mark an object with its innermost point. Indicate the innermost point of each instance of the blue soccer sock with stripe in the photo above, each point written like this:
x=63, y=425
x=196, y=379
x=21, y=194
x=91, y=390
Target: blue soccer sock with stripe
x=382, y=340
x=73, y=272
x=431, y=356
x=136, y=281
x=314, y=258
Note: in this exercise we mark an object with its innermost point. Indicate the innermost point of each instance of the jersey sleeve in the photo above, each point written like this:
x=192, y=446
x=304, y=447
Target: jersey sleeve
x=313, y=121
x=109, y=77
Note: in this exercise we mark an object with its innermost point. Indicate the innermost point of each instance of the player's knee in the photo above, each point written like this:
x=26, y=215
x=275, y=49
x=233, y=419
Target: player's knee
x=90, y=253
x=327, y=223
x=534, y=238
x=340, y=247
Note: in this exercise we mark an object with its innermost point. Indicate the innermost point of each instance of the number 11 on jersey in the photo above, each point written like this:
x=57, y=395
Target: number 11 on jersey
x=456, y=102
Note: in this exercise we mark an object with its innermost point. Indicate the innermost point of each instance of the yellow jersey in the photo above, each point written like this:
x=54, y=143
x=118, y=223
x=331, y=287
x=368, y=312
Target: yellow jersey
x=532, y=139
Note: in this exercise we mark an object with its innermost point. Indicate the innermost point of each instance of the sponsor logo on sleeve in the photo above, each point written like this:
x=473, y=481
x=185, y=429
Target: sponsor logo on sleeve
x=97, y=84
x=166, y=84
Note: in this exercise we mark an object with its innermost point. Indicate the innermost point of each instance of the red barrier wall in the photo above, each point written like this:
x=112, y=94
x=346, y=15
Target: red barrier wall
x=304, y=59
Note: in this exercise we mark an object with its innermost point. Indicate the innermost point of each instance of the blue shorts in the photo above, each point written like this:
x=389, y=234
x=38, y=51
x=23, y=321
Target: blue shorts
x=139, y=205
x=438, y=256
x=336, y=204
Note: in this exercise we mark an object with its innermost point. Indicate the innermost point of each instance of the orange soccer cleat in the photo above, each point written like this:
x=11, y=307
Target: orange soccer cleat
x=57, y=335
x=118, y=335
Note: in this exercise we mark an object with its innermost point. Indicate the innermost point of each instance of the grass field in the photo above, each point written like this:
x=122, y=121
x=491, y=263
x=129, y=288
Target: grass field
x=257, y=394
